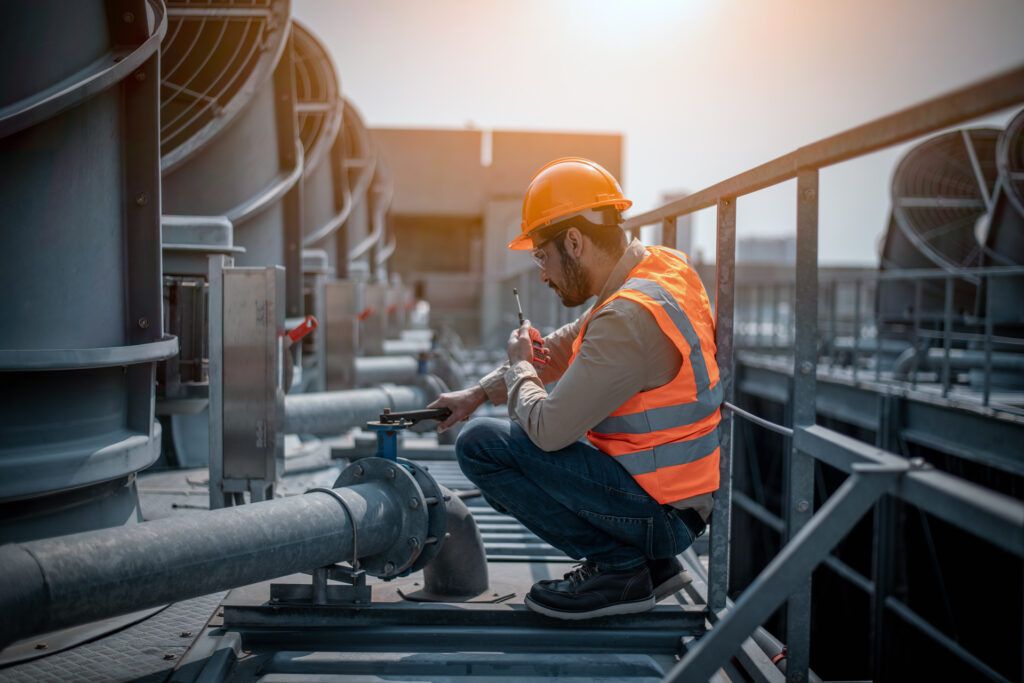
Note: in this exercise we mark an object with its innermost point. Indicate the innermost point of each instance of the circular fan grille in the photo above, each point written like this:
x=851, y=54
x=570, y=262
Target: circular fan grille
x=940, y=190
x=215, y=55
x=318, y=102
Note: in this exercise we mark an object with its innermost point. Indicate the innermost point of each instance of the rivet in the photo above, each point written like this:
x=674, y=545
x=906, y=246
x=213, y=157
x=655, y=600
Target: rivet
x=140, y=76
x=809, y=193
x=414, y=503
x=802, y=506
x=806, y=367
x=389, y=568
x=141, y=199
x=144, y=323
x=359, y=470
x=391, y=473
x=414, y=542
x=128, y=17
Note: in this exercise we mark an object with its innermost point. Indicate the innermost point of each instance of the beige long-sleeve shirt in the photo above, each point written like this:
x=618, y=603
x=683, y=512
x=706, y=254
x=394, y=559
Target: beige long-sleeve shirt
x=623, y=353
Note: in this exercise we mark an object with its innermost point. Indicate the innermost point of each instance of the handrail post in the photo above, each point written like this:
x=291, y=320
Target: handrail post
x=725, y=294
x=668, y=232
x=800, y=505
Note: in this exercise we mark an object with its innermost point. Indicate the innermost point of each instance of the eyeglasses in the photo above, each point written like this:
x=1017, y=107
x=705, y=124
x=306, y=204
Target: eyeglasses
x=540, y=257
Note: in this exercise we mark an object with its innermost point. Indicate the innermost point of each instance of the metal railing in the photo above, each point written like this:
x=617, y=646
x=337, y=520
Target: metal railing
x=810, y=536
x=850, y=337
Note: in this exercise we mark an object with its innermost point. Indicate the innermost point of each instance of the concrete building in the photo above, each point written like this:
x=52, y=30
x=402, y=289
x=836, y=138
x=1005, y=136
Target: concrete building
x=458, y=195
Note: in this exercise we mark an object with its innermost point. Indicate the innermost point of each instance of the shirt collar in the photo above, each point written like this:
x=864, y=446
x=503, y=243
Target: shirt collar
x=630, y=259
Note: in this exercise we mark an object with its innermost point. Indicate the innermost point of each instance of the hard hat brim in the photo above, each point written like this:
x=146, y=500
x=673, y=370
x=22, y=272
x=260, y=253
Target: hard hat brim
x=524, y=240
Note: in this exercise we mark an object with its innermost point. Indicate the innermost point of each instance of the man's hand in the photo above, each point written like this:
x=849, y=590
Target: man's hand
x=462, y=404
x=520, y=345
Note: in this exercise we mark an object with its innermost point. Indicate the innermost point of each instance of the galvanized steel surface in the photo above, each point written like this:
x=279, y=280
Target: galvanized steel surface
x=74, y=579
x=79, y=350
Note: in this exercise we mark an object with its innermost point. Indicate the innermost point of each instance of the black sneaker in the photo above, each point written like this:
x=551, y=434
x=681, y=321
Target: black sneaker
x=587, y=592
x=668, y=577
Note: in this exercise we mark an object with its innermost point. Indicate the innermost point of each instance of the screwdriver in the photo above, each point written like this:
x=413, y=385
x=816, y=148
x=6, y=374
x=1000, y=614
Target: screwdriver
x=538, y=341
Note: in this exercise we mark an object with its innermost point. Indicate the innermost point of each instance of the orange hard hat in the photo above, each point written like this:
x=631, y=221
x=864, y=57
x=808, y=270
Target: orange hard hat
x=563, y=188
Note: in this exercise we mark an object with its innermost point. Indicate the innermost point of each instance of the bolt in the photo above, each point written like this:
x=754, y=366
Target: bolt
x=168, y=657
x=185, y=634
x=809, y=193
x=359, y=470
x=41, y=646
x=414, y=503
x=144, y=323
x=918, y=463
x=141, y=199
x=797, y=676
x=802, y=506
x=140, y=76
x=391, y=473
x=128, y=17
x=389, y=568
x=806, y=367
x=414, y=542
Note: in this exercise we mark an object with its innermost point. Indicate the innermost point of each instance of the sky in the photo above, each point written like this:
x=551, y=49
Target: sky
x=700, y=89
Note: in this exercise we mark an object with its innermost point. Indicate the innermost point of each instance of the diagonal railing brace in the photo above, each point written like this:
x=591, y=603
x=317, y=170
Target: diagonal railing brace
x=789, y=569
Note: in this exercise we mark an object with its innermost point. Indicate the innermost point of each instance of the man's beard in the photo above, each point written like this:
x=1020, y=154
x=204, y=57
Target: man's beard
x=575, y=291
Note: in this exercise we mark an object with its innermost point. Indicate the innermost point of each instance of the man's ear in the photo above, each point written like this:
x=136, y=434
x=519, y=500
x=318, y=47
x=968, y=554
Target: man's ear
x=574, y=242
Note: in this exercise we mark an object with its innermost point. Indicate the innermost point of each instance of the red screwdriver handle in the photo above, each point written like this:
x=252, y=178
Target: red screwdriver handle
x=305, y=327
x=538, y=343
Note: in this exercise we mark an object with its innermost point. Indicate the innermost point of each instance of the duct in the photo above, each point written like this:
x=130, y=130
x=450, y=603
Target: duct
x=319, y=109
x=82, y=327
x=1003, y=234
x=362, y=161
x=372, y=370
x=335, y=412
x=70, y=580
x=227, y=80
x=940, y=189
x=459, y=571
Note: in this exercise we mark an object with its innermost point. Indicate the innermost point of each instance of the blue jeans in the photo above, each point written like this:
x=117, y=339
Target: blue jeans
x=577, y=499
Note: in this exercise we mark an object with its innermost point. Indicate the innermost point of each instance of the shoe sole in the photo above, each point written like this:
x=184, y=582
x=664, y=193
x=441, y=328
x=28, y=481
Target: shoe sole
x=672, y=585
x=633, y=607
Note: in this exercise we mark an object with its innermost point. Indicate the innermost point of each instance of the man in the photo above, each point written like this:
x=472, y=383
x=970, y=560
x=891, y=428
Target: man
x=636, y=376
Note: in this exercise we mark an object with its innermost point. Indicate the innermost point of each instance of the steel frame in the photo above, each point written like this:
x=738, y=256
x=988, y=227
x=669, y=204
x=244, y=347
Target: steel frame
x=874, y=472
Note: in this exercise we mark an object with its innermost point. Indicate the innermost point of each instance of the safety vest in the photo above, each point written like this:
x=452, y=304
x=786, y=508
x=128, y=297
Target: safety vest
x=667, y=438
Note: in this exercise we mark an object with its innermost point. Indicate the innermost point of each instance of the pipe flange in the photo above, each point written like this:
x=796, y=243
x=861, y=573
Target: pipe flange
x=410, y=541
x=437, y=516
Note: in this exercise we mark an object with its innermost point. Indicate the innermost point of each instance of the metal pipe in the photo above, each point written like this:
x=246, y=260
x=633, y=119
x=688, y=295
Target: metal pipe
x=460, y=570
x=334, y=412
x=373, y=370
x=59, y=582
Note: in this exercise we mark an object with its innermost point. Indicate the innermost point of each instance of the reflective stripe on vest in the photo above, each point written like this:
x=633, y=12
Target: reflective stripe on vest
x=657, y=419
x=669, y=455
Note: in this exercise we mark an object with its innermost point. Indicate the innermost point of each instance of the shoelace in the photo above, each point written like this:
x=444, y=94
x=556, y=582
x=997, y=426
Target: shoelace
x=580, y=573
